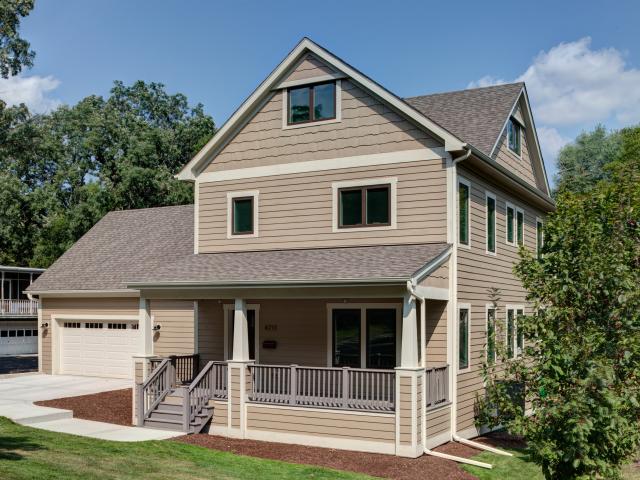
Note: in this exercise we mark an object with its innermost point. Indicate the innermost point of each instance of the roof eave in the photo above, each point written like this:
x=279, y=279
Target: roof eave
x=391, y=281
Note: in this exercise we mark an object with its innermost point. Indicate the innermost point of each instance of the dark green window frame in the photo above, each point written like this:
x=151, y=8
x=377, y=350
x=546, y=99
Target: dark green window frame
x=511, y=218
x=514, y=136
x=464, y=191
x=491, y=335
x=519, y=332
x=520, y=226
x=539, y=237
x=313, y=114
x=463, y=338
x=367, y=217
x=511, y=332
x=491, y=222
x=234, y=216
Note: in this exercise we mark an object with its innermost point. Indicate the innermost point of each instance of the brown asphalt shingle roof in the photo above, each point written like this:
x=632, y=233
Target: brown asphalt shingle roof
x=475, y=116
x=155, y=245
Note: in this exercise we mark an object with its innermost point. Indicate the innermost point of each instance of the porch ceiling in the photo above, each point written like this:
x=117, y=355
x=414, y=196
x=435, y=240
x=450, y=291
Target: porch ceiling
x=355, y=265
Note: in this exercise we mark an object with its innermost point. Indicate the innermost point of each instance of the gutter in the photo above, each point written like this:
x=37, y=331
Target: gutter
x=391, y=281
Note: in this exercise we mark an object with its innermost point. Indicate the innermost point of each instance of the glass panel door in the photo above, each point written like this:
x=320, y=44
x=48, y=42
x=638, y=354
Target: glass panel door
x=381, y=338
x=346, y=338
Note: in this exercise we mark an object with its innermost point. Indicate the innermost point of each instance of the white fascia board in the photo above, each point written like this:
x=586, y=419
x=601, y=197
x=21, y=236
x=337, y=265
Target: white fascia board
x=430, y=267
x=87, y=293
x=192, y=169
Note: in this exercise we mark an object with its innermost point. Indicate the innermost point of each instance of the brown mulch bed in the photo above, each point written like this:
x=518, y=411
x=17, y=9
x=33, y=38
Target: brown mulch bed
x=377, y=465
x=109, y=407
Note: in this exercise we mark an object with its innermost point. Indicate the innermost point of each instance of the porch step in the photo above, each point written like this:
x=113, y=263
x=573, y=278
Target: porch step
x=164, y=424
x=170, y=407
x=165, y=415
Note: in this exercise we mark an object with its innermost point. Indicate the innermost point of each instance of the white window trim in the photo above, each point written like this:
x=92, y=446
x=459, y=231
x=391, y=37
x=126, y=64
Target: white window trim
x=229, y=307
x=463, y=306
x=466, y=182
x=520, y=131
x=285, y=107
x=524, y=222
x=515, y=309
x=487, y=195
x=363, y=328
x=491, y=306
x=335, y=186
x=230, y=197
x=509, y=205
x=539, y=221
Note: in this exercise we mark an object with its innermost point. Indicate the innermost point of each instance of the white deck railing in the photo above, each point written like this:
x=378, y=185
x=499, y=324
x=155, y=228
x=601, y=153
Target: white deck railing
x=17, y=308
x=344, y=388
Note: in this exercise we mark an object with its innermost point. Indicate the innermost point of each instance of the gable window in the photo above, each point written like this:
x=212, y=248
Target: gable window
x=364, y=206
x=539, y=237
x=311, y=103
x=491, y=222
x=514, y=133
x=520, y=226
x=463, y=212
x=491, y=334
x=242, y=214
x=463, y=338
x=363, y=337
x=511, y=218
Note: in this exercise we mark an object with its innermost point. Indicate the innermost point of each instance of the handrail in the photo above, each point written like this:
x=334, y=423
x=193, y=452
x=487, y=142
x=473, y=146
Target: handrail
x=153, y=390
x=157, y=371
x=210, y=383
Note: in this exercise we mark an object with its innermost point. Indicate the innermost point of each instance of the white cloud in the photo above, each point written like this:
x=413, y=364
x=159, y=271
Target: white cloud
x=485, y=81
x=551, y=141
x=33, y=91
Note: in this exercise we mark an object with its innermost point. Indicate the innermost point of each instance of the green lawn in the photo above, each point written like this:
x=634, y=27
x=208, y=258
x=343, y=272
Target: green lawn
x=30, y=453
x=519, y=468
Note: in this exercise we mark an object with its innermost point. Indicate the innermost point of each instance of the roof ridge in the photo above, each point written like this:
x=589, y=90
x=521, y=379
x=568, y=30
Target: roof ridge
x=149, y=208
x=508, y=84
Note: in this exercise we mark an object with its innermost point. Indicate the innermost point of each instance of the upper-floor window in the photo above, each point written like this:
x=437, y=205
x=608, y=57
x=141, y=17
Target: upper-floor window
x=520, y=226
x=311, y=103
x=463, y=212
x=364, y=206
x=242, y=214
x=491, y=222
x=491, y=334
x=539, y=237
x=514, y=134
x=511, y=218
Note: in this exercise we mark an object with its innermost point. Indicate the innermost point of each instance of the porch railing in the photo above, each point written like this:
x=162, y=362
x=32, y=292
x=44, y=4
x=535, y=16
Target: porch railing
x=185, y=366
x=437, y=386
x=211, y=383
x=344, y=388
x=14, y=307
x=150, y=393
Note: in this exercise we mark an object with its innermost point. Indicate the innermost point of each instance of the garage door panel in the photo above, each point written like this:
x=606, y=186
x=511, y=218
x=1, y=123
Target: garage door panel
x=102, y=351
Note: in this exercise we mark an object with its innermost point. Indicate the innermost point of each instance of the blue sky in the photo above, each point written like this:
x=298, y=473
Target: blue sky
x=581, y=59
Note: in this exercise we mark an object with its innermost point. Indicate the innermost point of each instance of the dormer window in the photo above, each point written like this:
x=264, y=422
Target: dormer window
x=514, y=134
x=311, y=103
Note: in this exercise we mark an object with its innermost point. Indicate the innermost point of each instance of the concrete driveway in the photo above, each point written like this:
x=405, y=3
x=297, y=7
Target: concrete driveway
x=18, y=392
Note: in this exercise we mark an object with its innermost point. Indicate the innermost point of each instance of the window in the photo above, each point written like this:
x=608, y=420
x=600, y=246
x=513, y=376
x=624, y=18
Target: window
x=34, y=333
x=539, y=237
x=491, y=335
x=27, y=333
x=364, y=206
x=71, y=325
x=520, y=226
x=117, y=326
x=511, y=330
x=251, y=325
x=519, y=332
x=510, y=219
x=134, y=326
x=514, y=132
x=491, y=222
x=12, y=333
x=463, y=213
x=93, y=325
x=4, y=333
x=364, y=337
x=21, y=333
x=242, y=215
x=463, y=338
x=312, y=103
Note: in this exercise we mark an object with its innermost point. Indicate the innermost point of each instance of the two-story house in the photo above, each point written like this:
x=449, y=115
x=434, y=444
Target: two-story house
x=330, y=285
x=18, y=313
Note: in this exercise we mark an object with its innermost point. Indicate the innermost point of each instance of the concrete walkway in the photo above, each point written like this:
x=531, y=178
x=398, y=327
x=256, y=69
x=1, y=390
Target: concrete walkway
x=18, y=392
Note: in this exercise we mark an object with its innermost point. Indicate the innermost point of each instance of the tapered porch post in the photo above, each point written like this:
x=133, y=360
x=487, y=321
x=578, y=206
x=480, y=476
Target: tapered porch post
x=240, y=331
x=239, y=377
x=145, y=351
x=409, y=349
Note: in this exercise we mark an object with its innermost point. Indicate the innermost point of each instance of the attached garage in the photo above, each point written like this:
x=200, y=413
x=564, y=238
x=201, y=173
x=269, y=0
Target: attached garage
x=100, y=348
x=18, y=337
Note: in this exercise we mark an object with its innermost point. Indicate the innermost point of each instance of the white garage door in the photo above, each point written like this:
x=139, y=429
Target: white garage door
x=98, y=348
x=18, y=338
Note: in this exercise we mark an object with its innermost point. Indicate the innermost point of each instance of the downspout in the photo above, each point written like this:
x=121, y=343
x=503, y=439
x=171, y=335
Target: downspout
x=421, y=299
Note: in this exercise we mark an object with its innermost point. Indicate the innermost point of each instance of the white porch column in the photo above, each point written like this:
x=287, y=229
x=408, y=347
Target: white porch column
x=409, y=348
x=240, y=332
x=145, y=351
x=146, y=328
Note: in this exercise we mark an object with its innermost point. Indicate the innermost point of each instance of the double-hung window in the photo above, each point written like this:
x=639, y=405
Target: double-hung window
x=463, y=338
x=491, y=222
x=364, y=337
x=514, y=134
x=510, y=219
x=464, y=191
x=311, y=103
x=515, y=335
x=520, y=226
x=366, y=206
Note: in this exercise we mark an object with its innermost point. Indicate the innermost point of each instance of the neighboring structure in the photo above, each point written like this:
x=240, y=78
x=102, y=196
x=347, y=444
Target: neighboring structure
x=18, y=313
x=330, y=285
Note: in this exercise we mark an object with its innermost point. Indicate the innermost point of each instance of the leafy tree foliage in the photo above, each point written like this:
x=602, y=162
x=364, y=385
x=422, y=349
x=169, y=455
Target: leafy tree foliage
x=64, y=170
x=14, y=50
x=580, y=374
x=581, y=164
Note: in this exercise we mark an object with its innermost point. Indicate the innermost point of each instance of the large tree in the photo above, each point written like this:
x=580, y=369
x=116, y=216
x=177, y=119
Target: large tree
x=15, y=52
x=580, y=375
x=70, y=167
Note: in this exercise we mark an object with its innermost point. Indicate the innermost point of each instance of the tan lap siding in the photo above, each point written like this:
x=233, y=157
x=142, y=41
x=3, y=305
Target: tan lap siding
x=439, y=278
x=436, y=332
x=477, y=271
x=234, y=396
x=438, y=426
x=295, y=211
x=176, y=320
x=210, y=331
x=367, y=127
x=309, y=67
x=79, y=306
x=352, y=426
x=220, y=413
x=404, y=409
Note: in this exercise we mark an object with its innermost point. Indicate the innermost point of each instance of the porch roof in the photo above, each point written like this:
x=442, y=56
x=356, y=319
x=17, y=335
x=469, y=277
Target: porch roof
x=367, y=264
